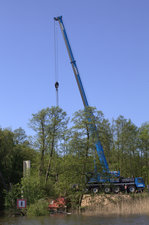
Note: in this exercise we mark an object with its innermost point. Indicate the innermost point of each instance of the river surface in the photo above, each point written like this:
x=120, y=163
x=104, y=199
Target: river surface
x=76, y=220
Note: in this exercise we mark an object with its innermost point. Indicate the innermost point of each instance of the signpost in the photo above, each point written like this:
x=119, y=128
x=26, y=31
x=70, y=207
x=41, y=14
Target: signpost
x=21, y=203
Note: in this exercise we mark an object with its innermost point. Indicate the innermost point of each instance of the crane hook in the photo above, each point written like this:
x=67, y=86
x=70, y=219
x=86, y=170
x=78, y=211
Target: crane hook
x=56, y=85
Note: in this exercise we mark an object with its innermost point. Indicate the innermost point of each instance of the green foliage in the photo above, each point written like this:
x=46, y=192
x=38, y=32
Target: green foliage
x=12, y=196
x=12, y=155
x=14, y=148
x=75, y=199
x=32, y=189
x=125, y=145
x=61, y=157
x=39, y=208
x=50, y=125
x=143, y=140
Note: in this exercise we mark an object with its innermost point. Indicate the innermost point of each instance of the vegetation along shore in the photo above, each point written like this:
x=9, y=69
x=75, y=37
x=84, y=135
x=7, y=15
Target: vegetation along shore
x=61, y=154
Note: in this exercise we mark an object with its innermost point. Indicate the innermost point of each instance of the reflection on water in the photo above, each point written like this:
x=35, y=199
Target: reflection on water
x=75, y=220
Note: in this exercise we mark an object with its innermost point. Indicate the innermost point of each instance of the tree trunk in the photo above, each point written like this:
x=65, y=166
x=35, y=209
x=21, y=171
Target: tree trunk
x=50, y=160
x=42, y=151
x=3, y=181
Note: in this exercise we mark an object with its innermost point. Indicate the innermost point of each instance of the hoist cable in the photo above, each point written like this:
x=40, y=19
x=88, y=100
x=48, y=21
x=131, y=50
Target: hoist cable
x=56, y=63
x=55, y=52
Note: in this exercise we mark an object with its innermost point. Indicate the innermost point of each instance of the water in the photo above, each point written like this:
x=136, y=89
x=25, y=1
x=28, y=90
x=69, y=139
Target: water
x=76, y=220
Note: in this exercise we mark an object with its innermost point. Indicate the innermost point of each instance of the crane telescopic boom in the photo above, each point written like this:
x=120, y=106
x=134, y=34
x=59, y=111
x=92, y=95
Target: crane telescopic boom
x=93, y=129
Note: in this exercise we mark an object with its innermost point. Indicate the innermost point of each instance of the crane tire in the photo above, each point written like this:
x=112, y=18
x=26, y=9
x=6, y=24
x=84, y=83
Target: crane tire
x=107, y=190
x=116, y=189
x=95, y=190
x=131, y=189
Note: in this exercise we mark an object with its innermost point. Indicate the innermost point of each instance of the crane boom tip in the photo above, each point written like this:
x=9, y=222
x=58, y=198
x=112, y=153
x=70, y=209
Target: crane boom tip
x=57, y=18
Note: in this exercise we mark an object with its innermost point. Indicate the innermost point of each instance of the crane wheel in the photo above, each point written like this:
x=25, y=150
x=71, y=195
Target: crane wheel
x=107, y=190
x=116, y=189
x=95, y=190
x=131, y=189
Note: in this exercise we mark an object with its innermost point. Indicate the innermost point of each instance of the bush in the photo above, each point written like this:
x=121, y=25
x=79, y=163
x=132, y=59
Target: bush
x=39, y=208
x=12, y=196
x=32, y=188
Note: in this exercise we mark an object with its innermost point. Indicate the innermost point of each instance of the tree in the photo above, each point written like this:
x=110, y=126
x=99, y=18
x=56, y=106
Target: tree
x=12, y=153
x=19, y=136
x=144, y=150
x=57, y=128
x=125, y=135
x=50, y=125
x=84, y=136
x=39, y=124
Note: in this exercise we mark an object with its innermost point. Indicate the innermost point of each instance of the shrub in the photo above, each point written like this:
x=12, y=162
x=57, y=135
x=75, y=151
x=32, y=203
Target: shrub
x=32, y=188
x=39, y=208
x=12, y=196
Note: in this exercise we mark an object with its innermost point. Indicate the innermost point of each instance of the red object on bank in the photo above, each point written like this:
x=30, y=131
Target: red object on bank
x=58, y=203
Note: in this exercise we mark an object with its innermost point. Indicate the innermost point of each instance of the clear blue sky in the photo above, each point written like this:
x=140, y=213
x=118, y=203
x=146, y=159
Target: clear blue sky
x=110, y=42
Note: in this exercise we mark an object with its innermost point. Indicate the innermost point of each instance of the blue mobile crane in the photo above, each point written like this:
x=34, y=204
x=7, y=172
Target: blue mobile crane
x=107, y=180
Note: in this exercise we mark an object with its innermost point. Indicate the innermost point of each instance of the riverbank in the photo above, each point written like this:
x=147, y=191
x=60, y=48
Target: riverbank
x=120, y=204
x=99, y=204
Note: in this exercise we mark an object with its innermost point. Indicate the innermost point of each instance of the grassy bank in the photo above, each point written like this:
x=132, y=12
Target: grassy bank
x=117, y=205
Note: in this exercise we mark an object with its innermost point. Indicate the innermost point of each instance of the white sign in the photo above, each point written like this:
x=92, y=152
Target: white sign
x=21, y=203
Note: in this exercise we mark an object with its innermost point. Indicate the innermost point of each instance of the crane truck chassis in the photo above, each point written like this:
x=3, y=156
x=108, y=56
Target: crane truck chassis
x=129, y=185
x=108, y=180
